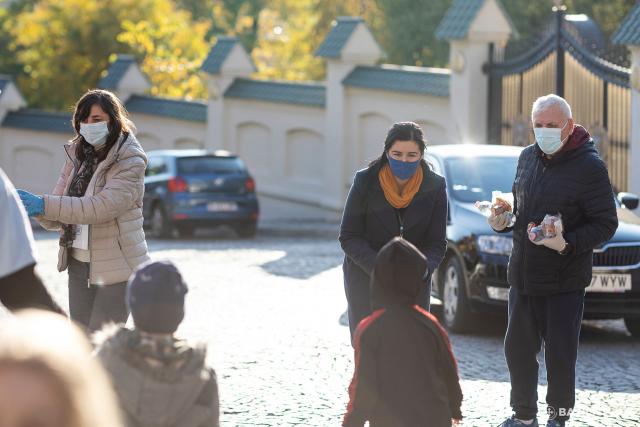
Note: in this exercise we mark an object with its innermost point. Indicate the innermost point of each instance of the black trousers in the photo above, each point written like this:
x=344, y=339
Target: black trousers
x=93, y=306
x=359, y=301
x=555, y=321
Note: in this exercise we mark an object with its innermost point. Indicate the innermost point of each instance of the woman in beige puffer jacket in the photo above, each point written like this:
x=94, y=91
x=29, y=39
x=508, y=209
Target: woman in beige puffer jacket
x=97, y=207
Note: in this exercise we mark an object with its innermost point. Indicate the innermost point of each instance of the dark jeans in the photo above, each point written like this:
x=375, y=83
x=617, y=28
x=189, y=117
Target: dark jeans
x=90, y=305
x=359, y=301
x=555, y=321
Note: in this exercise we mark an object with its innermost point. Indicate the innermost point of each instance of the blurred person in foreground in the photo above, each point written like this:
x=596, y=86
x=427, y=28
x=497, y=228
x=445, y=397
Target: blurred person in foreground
x=406, y=374
x=159, y=378
x=20, y=286
x=48, y=377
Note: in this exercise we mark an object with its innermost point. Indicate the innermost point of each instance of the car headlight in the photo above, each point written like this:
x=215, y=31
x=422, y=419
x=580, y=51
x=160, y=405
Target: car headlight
x=499, y=245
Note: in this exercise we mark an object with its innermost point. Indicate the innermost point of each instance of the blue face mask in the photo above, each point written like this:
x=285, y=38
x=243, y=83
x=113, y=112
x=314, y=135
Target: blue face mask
x=402, y=170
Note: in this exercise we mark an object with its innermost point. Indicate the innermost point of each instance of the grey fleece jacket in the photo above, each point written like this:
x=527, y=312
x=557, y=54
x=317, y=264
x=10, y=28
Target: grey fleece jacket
x=166, y=385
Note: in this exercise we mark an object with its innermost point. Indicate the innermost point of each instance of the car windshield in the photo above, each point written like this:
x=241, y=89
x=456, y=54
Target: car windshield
x=472, y=179
x=209, y=164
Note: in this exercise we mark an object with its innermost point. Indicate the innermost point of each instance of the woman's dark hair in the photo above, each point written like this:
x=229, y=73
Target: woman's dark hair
x=401, y=131
x=118, y=119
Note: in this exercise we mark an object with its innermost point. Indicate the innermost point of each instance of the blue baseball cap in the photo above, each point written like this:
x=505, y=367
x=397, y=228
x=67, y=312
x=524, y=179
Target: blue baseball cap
x=155, y=297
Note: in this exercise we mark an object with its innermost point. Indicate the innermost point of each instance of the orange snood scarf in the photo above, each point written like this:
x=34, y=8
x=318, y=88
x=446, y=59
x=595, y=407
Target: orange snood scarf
x=390, y=187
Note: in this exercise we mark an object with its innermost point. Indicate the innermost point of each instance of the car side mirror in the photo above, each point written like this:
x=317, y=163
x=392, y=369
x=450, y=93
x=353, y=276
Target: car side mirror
x=629, y=200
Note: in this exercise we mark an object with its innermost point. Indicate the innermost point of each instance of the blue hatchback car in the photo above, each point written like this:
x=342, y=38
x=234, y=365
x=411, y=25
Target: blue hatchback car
x=189, y=189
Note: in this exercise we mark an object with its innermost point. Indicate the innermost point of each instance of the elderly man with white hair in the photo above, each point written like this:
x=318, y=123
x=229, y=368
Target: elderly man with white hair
x=563, y=174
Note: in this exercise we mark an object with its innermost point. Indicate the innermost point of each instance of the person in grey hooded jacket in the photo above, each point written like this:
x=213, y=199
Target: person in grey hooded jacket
x=161, y=380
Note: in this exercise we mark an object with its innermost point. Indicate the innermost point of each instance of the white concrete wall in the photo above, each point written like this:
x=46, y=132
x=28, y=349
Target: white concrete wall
x=155, y=132
x=370, y=113
x=32, y=160
x=469, y=91
x=283, y=146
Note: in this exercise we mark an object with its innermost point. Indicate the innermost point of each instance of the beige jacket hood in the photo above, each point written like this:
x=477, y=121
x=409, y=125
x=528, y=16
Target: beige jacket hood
x=111, y=206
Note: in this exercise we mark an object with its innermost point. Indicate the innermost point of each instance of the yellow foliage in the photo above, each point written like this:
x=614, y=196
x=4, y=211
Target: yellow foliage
x=64, y=46
x=285, y=44
x=291, y=30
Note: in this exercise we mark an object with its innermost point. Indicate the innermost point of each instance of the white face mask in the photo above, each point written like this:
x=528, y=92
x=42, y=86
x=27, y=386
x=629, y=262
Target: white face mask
x=95, y=133
x=548, y=139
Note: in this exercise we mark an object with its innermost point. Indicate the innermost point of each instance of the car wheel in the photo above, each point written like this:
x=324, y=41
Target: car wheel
x=456, y=314
x=633, y=326
x=247, y=230
x=160, y=227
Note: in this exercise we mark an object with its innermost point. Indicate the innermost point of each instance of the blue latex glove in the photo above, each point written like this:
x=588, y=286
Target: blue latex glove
x=32, y=203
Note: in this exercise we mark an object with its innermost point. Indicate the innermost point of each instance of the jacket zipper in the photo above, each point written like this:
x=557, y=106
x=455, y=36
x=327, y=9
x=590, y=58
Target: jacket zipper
x=90, y=227
x=400, y=222
x=90, y=256
x=534, y=200
x=93, y=193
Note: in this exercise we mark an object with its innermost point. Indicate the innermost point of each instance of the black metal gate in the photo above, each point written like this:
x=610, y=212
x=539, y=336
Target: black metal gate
x=597, y=89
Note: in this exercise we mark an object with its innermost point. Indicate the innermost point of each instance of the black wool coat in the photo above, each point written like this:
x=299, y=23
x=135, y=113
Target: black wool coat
x=369, y=222
x=575, y=184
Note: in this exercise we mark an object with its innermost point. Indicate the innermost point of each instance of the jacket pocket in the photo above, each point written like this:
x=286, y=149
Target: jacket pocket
x=118, y=236
x=63, y=259
x=577, y=271
x=543, y=266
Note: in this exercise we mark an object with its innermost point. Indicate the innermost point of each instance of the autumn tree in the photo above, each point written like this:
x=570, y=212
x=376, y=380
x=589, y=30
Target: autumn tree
x=64, y=45
x=407, y=31
x=285, y=44
x=59, y=48
x=290, y=31
x=8, y=61
x=230, y=17
x=530, y=17
x=170, y=47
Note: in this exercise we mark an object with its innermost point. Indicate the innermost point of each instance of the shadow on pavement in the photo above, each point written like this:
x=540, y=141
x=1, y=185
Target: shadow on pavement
x=607, y=356
x=301, y=265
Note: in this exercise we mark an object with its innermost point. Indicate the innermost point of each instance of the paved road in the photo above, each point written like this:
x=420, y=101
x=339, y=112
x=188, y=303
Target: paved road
x=269, y=309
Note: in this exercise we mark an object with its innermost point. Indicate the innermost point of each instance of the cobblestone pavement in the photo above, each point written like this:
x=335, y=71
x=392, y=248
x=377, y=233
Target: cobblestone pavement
x=269, y=309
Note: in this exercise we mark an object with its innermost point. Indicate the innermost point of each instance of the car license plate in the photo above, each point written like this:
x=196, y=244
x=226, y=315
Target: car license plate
x=222, y=207
x=610, y=283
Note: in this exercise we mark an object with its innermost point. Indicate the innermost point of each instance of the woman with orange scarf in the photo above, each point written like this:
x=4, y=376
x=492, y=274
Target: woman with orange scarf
x=396, y=195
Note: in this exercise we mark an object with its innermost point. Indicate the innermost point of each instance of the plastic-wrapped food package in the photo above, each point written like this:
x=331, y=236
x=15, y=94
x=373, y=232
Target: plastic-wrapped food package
x=500, y=203
x=547, y=228
x=549, y=225
x=536, y=233
x=484, y=207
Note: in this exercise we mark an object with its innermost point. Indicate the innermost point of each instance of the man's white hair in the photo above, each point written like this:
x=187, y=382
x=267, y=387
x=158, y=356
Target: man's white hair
x=549, y=101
